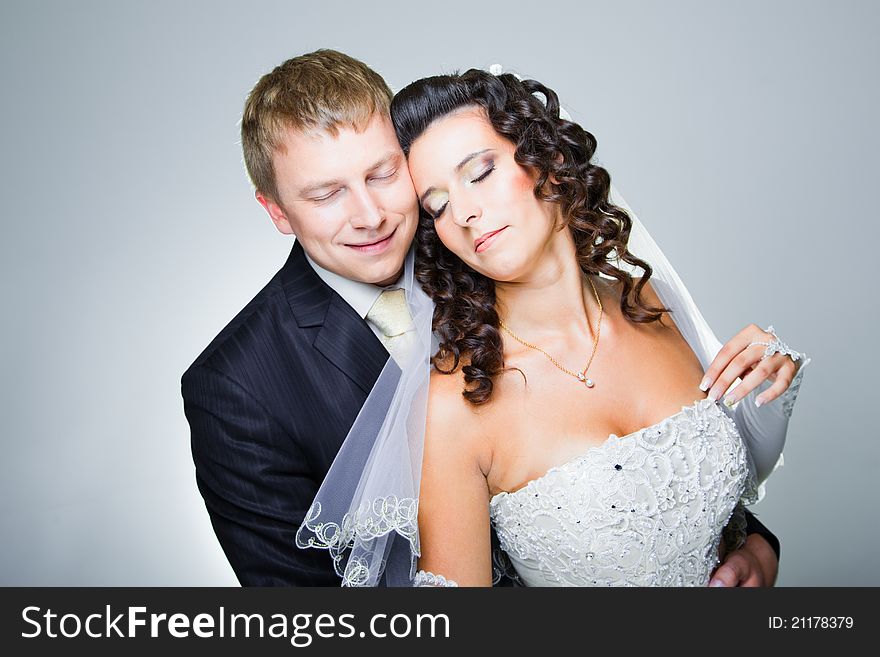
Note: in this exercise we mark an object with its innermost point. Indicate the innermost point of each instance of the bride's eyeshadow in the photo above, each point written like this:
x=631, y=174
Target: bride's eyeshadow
x=478, y=170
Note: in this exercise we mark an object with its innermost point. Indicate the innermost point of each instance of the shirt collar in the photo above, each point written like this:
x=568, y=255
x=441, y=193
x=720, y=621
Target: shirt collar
x=358, y=295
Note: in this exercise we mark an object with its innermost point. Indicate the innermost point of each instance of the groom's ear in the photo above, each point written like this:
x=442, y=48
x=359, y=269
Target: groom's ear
x=276, y=213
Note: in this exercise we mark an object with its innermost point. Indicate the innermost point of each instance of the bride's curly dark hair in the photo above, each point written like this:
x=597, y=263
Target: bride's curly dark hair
x=465, y=317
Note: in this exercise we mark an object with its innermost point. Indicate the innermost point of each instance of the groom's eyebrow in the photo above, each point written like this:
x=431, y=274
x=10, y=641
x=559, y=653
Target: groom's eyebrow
x=314, y=187
x=458, y=167
x=381, y=162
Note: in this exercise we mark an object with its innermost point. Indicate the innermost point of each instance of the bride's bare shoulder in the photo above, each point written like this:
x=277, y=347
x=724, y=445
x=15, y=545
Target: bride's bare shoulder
x=612, y=291
x=614, y=288
x=452, y=420
x=446, y=404
x=649, y=296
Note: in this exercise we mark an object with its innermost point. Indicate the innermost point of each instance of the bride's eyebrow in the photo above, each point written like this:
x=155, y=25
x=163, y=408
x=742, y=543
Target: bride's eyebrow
x=468, y=158
x=458, y=167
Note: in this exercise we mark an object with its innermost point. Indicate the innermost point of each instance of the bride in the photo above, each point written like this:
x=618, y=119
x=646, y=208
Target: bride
x=567, y=404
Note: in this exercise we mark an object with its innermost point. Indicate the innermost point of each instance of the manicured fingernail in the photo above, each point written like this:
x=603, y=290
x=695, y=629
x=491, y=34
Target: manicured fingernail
x=729, y=401
x=758, y=402
x=704, y=386
x=713, y=396
x=716, y=582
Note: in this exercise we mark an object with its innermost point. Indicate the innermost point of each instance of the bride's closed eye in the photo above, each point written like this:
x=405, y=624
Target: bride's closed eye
x=484, y=175
x=435, y=214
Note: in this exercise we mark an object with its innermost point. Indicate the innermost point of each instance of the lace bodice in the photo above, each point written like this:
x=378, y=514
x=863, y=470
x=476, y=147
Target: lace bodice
x=646, y=509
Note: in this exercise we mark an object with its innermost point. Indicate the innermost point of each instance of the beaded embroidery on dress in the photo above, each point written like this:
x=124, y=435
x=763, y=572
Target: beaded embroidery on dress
x=647, y=509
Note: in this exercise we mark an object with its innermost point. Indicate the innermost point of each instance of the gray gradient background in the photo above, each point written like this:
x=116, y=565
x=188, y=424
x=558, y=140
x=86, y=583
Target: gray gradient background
x=131, y=236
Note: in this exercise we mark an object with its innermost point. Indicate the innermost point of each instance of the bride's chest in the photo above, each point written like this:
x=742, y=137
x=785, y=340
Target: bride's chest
x=691, y=456
x=644, y=509
x=550, y=423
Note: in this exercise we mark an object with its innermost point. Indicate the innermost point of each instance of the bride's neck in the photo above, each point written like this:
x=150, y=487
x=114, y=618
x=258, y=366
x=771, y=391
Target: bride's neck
x=554, y=298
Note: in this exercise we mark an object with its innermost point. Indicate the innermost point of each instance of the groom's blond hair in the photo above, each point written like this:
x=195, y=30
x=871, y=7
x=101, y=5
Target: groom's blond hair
x=322, y=90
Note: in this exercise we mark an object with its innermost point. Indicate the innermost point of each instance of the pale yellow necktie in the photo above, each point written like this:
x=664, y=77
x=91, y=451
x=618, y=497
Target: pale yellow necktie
x=390, y=315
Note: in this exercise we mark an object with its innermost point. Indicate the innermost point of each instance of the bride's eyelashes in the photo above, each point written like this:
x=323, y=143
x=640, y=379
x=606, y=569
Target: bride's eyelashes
x=483, y=175
x=436, y=214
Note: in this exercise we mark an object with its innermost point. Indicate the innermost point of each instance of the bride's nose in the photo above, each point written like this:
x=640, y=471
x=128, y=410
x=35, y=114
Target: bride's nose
x=464, y=213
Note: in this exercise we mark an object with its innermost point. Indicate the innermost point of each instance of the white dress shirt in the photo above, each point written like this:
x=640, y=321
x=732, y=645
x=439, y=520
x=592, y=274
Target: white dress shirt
x=358, y=295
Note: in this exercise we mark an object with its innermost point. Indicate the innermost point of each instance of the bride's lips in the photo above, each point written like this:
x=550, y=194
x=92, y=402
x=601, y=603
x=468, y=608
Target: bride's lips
x=485, y=240
x=372, y=248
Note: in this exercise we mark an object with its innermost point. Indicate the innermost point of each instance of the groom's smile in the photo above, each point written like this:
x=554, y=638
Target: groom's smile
x=377, y=246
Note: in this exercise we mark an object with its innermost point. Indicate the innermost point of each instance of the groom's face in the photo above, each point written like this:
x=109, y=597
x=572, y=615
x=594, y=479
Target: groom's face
x=347, y=198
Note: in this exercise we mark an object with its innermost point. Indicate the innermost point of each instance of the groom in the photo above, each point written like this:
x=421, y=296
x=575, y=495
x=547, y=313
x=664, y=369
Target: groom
x=272, y=397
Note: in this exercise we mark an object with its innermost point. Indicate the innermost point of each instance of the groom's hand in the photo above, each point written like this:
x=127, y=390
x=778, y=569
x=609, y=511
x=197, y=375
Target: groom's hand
x=754, y=564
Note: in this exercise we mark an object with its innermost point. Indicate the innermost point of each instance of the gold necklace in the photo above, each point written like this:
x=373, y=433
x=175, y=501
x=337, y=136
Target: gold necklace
x=582, y=375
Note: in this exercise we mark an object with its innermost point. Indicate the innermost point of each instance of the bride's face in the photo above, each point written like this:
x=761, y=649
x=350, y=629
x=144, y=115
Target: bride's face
x=483, y=202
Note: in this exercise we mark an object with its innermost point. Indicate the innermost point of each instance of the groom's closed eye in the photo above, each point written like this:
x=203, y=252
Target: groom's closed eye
x=384, y=177
x=325, y=197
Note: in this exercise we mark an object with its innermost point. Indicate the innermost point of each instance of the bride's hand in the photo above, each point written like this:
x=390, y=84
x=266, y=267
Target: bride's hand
x=738, y=359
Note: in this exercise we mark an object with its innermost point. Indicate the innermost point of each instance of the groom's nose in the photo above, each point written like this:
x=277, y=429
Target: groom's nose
x=365, y=212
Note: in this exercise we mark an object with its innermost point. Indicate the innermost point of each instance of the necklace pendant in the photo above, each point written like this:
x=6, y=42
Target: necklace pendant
x=581, y=377
x=589, y=383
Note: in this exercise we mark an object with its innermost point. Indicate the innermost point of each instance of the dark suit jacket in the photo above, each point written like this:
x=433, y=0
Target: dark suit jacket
x=269, y=403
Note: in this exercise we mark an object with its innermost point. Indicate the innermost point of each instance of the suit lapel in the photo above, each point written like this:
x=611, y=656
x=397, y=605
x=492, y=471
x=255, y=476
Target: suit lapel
x=347, y=342
x=344, y=337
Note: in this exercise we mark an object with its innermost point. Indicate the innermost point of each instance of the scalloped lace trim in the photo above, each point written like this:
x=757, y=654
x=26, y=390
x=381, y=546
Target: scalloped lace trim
x=353, y=536
x=425, y=578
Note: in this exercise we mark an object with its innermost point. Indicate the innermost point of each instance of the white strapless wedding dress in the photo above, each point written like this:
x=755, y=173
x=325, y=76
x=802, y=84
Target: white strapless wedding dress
x=647, y=509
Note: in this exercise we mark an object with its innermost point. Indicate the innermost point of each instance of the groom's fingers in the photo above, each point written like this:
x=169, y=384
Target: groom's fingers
x=740, y=569
x=725, y=575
